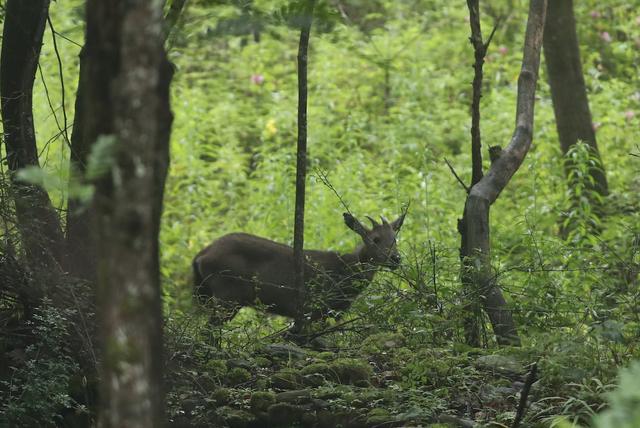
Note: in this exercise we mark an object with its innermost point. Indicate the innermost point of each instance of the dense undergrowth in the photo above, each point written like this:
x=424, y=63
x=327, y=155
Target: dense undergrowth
x=389, y=101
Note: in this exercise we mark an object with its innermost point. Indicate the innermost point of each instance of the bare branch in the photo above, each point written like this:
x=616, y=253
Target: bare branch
x=480, y=50
x=522, y=407
x=512, y=156
x=495, y=27
x=62, y=95
x=453, y=171
x=324, y=179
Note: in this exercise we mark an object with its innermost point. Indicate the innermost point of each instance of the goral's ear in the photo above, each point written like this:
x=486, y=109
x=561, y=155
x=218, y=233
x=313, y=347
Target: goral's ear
x=353, y=224
x=397, y=223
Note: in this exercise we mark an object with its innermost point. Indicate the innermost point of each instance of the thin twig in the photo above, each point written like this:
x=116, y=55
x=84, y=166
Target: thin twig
x=57, y=52
x=51, y=107
x=495, y=27
x=324, y=179
x=453, y=171
x=480, y=50
x=62, y=36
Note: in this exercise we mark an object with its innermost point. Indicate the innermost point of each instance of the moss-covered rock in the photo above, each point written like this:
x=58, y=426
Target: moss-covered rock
x=217, y=368
x=262, y=362
x=221, y=396
x=287, y=378
x=240, y=362
x=326, y=356
x=237, y=375
x=326, y=419
x=285, y=351
x=499, y=364
x=261, y=384
x=235, y=418
x=382, y=342
x=351, y=371
x=379, y=417
x=316, y=374
x=297, y=396
x=285, y=414
x=319, y=368
x=261, y=400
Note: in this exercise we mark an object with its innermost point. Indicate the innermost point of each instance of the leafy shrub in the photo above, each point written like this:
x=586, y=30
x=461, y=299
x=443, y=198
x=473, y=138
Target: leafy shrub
x=37, y=390
x=624, y=401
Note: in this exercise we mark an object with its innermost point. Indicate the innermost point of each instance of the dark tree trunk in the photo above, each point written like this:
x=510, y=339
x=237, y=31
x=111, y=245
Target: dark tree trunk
x=475, y=228
x=301, y=164
x=472, y=323
x=479, y=50
x=86, y=129
x=568, y=91
x=38, y=221
x=127, y=100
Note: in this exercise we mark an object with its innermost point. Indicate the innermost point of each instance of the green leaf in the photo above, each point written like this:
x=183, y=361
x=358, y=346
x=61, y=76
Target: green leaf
x=39, y=177
x=102, y=157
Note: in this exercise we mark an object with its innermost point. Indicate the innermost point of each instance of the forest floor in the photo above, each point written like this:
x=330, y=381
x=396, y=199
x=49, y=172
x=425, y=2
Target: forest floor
x=381, y=382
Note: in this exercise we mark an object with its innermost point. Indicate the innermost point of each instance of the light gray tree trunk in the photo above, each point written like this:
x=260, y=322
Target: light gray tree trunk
x=127, y=101
x=475, y=229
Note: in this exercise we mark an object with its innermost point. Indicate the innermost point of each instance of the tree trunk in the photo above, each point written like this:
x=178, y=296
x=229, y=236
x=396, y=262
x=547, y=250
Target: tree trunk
x=86, y=129
x=301, y=165
x=568, y=91
x=37, y=219
x=475, y=227
x=473, y=316
x=127, y=100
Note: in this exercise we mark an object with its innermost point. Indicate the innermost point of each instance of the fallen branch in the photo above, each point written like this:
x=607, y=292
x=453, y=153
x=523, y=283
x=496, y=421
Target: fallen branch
x=522, y=407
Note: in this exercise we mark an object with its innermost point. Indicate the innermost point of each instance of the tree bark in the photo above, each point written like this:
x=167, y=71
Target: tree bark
x=301, y=164
x=568, y=90
x=127, y=100
x=479, y=50
x=38, y=221
x=475, y=228
x=86, y=130
x=471, y=323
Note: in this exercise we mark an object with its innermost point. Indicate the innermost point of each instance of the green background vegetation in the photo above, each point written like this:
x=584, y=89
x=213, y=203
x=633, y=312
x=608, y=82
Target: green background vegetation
x=389, y=97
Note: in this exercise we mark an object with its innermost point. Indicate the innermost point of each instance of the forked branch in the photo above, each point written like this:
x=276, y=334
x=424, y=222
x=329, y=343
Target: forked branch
x=475, y=228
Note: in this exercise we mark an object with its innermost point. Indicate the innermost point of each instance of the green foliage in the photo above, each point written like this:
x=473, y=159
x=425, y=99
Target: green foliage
x=389, y=95
x=582, y=217
x=102, y=157
x=36, y=175
x=388, y=100
x=238, y=375
x=262, y=400
x=217, y=368
x=38, y=389
x=624, y=401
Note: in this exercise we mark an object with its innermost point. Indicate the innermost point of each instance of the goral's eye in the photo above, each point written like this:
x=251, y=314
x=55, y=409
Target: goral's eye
x=376, y=240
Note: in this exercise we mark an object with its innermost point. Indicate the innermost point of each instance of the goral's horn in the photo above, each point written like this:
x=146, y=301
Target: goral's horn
x=384, y=220
x=373, y=222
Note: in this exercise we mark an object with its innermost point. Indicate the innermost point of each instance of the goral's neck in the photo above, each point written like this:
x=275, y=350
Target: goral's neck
x=356, y=262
